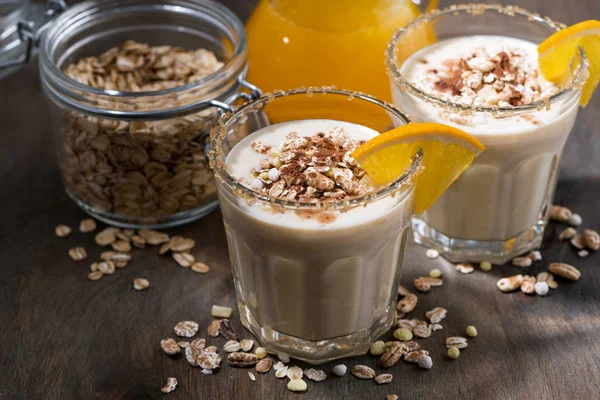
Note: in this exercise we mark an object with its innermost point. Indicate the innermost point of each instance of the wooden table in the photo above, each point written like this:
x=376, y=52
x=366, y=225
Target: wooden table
x=64, y=337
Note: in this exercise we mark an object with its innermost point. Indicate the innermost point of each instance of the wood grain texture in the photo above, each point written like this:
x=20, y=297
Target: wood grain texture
x=63, y=337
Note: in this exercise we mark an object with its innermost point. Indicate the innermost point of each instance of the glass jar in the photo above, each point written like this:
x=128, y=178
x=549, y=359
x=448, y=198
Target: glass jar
x=317, y=281
x=498, y=208
x=130, y=158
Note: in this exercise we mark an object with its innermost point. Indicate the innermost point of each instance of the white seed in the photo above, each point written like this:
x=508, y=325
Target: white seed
x=575, y=220
x=257, y=184
x=432, y=253
x=273, y=174
x=583, y=253
x=221, y=312
x=340, y=370
x=141, y=284
x=425, y=362
x=252, y=377
x=541, y=288
x=535, y=255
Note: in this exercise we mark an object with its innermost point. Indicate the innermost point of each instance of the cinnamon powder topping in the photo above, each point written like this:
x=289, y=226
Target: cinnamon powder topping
x=310, y=168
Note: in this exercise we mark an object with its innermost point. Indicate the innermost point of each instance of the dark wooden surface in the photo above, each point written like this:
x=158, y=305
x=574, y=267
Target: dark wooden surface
x=64, y=337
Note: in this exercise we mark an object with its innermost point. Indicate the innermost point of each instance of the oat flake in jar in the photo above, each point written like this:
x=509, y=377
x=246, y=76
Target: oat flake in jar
x=135, y=86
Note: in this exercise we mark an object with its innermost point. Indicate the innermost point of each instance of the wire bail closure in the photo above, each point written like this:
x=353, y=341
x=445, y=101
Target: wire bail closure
x=32, y=37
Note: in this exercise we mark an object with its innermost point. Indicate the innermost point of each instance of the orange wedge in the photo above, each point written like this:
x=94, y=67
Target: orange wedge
x=447, y=152
x=558, y=51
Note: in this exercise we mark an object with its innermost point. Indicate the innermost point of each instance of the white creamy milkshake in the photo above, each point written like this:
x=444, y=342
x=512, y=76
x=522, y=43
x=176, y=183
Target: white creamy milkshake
x=505, y=191
x=313, y=274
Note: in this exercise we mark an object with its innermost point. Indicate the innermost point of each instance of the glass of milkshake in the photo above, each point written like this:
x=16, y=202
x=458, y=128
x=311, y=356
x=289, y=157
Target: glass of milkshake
x=482, y=77
x=316, y=252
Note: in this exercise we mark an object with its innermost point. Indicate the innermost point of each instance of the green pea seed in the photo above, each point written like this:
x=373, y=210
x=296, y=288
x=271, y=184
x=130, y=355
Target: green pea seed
x=378, y=348
x=453, y=353
x=471, y=331
x=485, y=266
x=403, y=334
x=435, y=273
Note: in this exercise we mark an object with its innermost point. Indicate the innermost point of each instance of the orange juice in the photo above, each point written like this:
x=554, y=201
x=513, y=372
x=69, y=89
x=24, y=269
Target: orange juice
x=296, y=43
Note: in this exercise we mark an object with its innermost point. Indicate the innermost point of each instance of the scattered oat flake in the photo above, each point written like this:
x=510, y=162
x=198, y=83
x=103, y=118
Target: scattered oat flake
x=199, y=267
x=78, y=253
x=141, y=284
x=121, y=246
x=87, y=225
x=252, y=377
x=105, y=237
x=62, y=230
x=226, y=330
x=363, y=372
x=565, y=270
x=242, y=359
x=183, y=259
x=186, y=328
x=295, y=373
x=183, y=344
x=199, y=344
x=464, y=268
x=214, y=328
x=95, y=275
x=209, y=360
x=316, y=375
x=170, y=386
x=264, y=365
x=281, y=372
x=384, y=378
x=169, y=346
x=392, y=397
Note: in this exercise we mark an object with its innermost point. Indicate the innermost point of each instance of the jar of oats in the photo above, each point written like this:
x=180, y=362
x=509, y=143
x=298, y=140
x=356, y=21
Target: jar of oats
x=135, y=86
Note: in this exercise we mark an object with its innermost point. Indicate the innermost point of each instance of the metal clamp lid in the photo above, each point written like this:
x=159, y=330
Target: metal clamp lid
x=31, y=36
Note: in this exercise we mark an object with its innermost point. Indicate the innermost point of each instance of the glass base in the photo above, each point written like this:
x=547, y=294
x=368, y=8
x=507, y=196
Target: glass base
x=494, y=251
x=121, y=221
x=316, y=352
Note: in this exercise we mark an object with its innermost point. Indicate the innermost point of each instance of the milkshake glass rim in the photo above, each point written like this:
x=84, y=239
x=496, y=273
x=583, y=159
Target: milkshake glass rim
x=572, y=88
x=217, y=161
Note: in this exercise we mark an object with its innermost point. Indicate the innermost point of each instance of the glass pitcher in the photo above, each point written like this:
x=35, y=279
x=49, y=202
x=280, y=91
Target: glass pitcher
x=322, y=43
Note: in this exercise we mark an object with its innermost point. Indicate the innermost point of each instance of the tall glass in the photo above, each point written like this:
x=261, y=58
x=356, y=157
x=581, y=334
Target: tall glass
x=498, y=208
x=313, y=291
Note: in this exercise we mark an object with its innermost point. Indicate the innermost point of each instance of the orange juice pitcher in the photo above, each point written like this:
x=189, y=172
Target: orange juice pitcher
x=294, y=43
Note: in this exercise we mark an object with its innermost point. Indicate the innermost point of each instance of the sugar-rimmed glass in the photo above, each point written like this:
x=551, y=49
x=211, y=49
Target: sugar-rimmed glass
x=499, y=207
x=313, y=292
